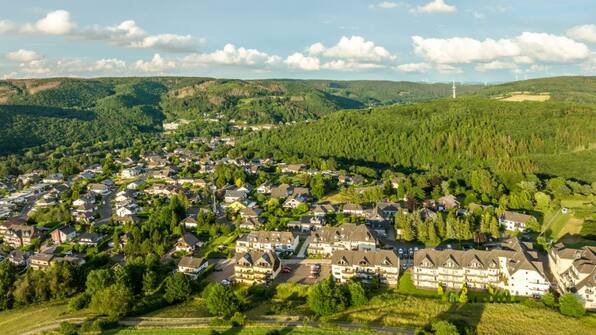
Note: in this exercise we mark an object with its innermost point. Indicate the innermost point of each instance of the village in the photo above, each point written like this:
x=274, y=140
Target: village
x=319, y=239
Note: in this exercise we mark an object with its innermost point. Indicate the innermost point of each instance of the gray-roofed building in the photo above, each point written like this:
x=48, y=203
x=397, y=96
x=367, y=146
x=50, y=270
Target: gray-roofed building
x=347, y=236
x=192, y=266
x=365, y=265
x=278, y=241
x=256, y=267
x=574, y=270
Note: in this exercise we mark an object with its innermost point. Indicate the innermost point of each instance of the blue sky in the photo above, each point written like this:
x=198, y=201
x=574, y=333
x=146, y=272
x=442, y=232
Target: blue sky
x=419, y=40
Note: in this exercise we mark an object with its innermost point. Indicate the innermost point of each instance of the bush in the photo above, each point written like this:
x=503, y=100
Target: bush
x=548, y=300
x=78, y=302
x=238, y=319
x=444, y=328
x=67, y=328
x=570, y=305
x=220, y=299
x=273, y=332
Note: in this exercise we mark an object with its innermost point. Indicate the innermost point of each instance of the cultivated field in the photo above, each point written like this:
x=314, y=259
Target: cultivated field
x=526, y=96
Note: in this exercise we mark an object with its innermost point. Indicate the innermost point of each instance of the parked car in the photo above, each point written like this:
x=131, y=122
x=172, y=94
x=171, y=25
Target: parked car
x=315, y=268
x=286, y=269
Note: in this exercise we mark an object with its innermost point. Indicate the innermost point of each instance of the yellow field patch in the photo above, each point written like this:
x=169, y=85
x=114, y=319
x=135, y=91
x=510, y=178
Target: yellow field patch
x=527, y=97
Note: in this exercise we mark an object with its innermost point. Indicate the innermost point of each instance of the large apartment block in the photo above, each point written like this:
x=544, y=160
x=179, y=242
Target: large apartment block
x=278, y=241
x=347, y=236
x=515, y=267
x=365, y=266
x=17, y=233
x=574, y=270
x=256, y=267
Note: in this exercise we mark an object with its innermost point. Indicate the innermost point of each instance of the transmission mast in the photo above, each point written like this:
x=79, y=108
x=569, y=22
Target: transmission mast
x=453, y=90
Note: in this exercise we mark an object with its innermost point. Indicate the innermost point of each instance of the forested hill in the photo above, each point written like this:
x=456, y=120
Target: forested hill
x=63, y=111
x=571, y=88
x=541, y=137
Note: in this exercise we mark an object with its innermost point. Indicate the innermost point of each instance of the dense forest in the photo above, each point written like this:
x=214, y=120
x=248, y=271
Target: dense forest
x=62, y=111
x=446, y=136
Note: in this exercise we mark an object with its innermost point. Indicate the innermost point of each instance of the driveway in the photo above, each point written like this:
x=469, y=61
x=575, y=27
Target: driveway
x=227, y=270
x=302, y=251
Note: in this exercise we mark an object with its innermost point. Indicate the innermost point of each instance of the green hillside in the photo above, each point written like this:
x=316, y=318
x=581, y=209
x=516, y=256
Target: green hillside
x=450, y=135
x=63, y=111
x=571, y=89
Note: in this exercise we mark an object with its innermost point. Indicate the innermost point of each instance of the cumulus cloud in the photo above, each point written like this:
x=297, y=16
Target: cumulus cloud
x=125, y=34
x=414, y=67
x=436, y=6
x=448, y=69
x=352, y=48
x=156, y=65
x=231, y=55
x=495, y=65
x=342, y=65
x=24, y=56
x=585, y=33
x=7, y=26
x=385, y=5
x=57, y=22
x=129, y=34
x=301, y=62
x=525, y=48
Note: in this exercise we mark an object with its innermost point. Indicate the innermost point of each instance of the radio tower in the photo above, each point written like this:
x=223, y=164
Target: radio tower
x=453, y=90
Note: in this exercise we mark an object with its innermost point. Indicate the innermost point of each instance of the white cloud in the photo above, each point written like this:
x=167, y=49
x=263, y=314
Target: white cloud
x=57, y=22
x=24, y=56
x=525, y=48
x=352, y=48
x=585, y=33
x=129, y=34
x=302, y=62
x=342, y=65
x=436, y=6
x=385, y=5
x=156, y=65
x=414, y=67
x=109, y=64
x=448, y=69
x=231, y=55
x=7, y=26
x=495, y=65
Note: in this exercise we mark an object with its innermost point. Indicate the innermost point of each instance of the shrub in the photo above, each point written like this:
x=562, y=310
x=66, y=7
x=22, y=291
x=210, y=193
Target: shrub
x=442, y=327
x=67, y=328
x=238, y=319
x=570, y=305
x=78, y=302
x=548, y=300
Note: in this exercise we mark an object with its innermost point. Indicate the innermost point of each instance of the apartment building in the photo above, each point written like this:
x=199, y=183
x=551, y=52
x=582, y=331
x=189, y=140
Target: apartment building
x=16, y=233
x=365, y=266
x=256, y=267
x=514, y=220
x=278, y=241
x=574, y=270
x=515, y=267
x=347, y=236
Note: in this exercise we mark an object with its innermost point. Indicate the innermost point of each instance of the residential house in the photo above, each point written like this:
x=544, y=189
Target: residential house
x=256, y=267
x=514, y=220
x=233, y=196
x=63, y=234
x=16, y=233
x=292, y=168
x=353, y=209
x=99, y=189
x=268, y=240
x=347, y=236
x=192, y=266
x=188, y=242
x=362, y=265
x=574, y=270
x=40, y=261
x=54, y=178
x=515, y=268
x=294, y=201
x=189, y=222
x=448, y=202
x=323, y=210
x=307, y=223
x=18, y=257
x=264, y=188
x=131, y=172
x=251, y=223
x=90, y=239
x=282, y=191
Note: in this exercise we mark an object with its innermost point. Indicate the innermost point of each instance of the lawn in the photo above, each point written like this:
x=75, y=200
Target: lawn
x=406, y=286
x=192, y=308
x=20, y=320
x=409, y=311
x=247, y=330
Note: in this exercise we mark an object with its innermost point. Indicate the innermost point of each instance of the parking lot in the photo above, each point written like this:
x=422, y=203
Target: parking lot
x=227, y=270
x=300, y=273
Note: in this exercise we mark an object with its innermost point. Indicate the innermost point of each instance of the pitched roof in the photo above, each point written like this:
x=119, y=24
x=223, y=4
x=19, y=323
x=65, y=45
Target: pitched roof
x=386, y=258
x=268, y=237
x=344, y=232
x=191, y=262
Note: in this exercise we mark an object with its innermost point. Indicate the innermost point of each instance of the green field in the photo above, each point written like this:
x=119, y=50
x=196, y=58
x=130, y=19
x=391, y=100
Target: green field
x=20, y=320
x=410, y=311
x=248, y=330
x=569, y=225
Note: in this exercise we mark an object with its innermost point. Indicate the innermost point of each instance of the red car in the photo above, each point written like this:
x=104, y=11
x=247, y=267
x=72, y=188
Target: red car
x=286, y=269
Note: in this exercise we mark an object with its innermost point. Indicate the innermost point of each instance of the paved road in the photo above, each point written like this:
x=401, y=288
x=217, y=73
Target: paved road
x=302, y=251
x=105, y=210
